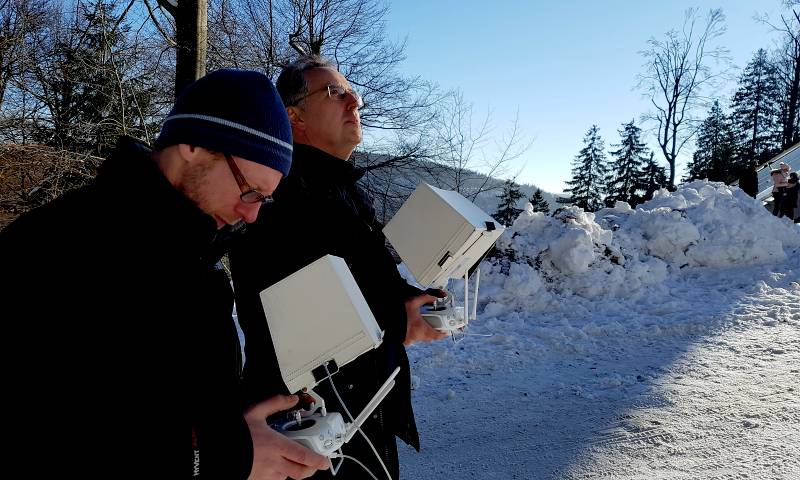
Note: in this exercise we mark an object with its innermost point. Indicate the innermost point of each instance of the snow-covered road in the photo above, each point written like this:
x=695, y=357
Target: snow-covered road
x=726, y=409
x=718, y=397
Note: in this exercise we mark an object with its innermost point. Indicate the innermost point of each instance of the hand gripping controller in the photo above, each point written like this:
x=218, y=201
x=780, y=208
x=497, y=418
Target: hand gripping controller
x=444, y=316
x=312, y=426
x=322, y=434
x=325, y=432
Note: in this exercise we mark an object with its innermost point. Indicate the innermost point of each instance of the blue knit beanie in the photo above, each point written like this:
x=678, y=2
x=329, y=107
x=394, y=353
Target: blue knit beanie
x=237, y=112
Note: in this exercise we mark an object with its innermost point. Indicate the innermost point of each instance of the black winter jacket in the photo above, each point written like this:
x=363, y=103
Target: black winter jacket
x=119, y=335
x=319, y=210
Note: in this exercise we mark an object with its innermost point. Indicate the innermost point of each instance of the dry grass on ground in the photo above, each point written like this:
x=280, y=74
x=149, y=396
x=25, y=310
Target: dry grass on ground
x=31, y=175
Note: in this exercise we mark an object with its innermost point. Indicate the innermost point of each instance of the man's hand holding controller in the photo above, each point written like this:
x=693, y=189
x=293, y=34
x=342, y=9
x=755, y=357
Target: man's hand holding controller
x=276, y=457
x=418, y=330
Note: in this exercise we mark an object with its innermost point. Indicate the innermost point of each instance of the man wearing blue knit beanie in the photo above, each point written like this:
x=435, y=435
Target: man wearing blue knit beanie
x=126, y=332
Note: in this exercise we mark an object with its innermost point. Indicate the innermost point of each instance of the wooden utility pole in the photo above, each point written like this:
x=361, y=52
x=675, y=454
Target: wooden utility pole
x=191, y=21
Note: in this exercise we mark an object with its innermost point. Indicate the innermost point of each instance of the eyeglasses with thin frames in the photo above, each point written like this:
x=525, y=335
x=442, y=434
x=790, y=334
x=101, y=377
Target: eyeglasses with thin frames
x=249, y=194
x=334, y=91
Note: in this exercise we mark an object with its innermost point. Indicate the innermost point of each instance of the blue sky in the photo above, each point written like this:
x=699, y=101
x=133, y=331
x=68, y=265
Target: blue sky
x=563, y=65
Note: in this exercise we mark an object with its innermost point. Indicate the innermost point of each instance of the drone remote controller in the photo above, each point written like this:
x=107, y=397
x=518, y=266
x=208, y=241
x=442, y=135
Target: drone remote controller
x=324, y=434
x=445, y=317
x=312, y=426
x=322, y=431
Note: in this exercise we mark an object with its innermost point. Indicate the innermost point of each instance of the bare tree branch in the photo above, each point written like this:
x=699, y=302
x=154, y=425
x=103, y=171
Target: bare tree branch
x=158, y=26
x=676, y=72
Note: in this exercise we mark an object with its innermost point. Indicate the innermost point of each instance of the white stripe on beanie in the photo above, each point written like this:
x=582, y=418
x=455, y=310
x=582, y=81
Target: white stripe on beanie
x=228, y=123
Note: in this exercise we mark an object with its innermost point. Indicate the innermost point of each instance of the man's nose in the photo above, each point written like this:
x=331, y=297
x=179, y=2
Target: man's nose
x=352, y=100
x=248, y=211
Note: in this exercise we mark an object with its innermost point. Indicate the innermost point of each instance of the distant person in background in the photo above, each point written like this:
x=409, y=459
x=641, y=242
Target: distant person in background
x=117, y=318
x=749, y=179
x=785, y=169
x=790, y=208
x=779, y=185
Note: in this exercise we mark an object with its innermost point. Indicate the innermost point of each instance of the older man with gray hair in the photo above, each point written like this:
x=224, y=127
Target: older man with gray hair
x=320, y=209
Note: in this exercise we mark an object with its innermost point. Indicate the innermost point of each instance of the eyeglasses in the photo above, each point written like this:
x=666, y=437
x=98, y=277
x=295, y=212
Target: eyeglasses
x=249, y=194
x=334, y=91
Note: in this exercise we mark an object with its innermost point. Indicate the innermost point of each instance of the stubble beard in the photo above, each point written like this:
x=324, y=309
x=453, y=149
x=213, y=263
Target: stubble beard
x=195, y=185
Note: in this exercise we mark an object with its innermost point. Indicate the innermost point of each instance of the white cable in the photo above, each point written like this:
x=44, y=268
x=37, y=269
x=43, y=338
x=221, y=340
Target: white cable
x=335, y=470
x=466, y=297
x=342, y=456
x=341, y=402
x=475, y=300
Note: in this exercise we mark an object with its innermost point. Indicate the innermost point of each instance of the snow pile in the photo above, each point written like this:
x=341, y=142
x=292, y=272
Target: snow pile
x=626, y=253
x=704, y=224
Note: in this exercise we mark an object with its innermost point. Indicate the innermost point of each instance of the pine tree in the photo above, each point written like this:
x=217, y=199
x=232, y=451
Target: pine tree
x=507, y=210
x=715, y=156
x=626, y=172
x=756, y=110
x=90, y=84
x=539, y=203
x=655, y=178
x=589, y=173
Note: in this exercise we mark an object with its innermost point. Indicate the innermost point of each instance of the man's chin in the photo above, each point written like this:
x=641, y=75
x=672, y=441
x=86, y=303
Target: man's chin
x=221, y=223
x=232, y=227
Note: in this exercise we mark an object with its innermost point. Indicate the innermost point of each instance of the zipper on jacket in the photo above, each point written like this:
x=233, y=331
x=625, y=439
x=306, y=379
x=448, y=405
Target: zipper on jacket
x=386, y=461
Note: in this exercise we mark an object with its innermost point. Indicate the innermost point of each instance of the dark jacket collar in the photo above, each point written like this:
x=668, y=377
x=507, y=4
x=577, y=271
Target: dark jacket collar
x=311, y=163
x=131, y=175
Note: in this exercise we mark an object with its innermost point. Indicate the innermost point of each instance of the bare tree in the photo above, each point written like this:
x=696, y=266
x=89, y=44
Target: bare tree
x=22, y=24
x=787, y=62
x=454, y=151
x=676, y=73
x=268, y=34
x=463, y=157
x=85, y=77
x=15, y=18
x=191, y=38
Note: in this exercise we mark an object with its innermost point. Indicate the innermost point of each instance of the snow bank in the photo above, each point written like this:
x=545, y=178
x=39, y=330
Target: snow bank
x=705, y=224
x=625, y=253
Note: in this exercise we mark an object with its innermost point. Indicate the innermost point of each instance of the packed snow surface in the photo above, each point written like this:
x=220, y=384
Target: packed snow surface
x=661, y=342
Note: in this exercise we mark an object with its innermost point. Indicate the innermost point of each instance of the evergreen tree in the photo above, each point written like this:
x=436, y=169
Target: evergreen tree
x=626, y=172
x=539, y=203
x=715, y=156
x=507, y=210
x=589, y=173
x=655, y=178
x=756, y=110
x=89, y=83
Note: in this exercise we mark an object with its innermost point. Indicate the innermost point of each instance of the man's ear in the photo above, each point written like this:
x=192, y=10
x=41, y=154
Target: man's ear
x=191, y=153
x=295, y=118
